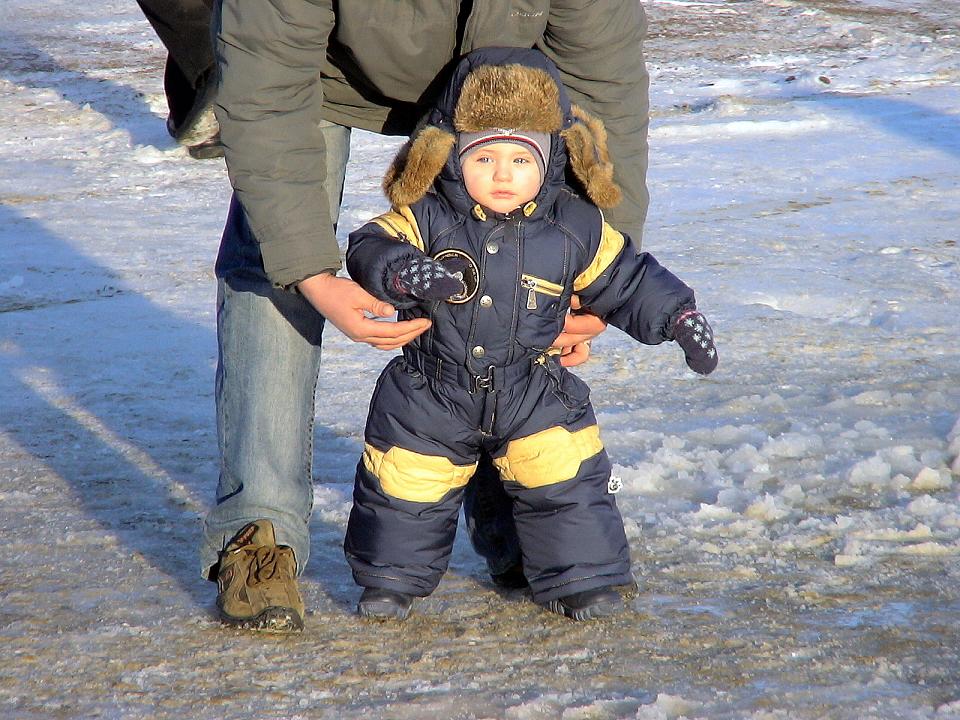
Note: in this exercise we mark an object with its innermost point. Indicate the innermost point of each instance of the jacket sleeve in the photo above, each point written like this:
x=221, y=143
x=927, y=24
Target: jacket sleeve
x=269, y=102
x=598, y=48
x=631, y=290
x=385, y=240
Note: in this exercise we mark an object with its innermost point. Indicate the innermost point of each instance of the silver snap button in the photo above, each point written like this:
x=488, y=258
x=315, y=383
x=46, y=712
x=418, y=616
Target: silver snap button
x=478, y=351
x=486, y=301
x=493, y=248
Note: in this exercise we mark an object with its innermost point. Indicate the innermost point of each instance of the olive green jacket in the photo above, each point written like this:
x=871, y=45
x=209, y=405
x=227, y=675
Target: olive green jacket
x=377, y=65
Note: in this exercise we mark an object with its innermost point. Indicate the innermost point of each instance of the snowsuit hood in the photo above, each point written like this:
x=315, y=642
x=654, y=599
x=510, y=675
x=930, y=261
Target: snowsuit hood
x=510, y=88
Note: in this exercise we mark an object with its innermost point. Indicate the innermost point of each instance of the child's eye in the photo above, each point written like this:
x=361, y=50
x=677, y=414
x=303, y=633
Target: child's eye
x=521, y=160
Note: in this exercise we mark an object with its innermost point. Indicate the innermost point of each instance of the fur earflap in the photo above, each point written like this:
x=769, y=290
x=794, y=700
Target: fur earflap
x=417, y=165
x=508, y=96
x=590, y=160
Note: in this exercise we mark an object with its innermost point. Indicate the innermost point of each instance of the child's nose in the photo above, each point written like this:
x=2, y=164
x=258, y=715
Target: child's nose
x=502, y=171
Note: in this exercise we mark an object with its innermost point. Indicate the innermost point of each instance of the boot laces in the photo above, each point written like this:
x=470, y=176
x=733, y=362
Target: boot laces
x=267, y=563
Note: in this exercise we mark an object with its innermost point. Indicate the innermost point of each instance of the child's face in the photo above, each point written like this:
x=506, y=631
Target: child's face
x=501, y=176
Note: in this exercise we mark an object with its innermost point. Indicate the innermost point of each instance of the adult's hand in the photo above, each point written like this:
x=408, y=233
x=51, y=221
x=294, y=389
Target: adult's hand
x=346, y=304
x=578, y=330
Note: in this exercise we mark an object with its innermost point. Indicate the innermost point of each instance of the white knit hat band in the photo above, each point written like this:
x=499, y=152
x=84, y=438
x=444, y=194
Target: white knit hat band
x=537, y=142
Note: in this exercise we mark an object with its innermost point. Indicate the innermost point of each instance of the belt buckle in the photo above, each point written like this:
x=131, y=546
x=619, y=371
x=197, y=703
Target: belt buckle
x=483, y=382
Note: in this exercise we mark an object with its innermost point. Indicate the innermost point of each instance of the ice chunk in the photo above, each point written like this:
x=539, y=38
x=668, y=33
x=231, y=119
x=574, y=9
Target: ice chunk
x=768, y=509
x=873, y=471
x=731, y=435
x=902, y=459
x=928, y=548
x=734, y=499
x=707, y=513
x=892, y=534
x=794, y=495
x=743, y=459
x=646, y=477
x=667, y=707
x=926, y=506
x=872, y=397
x=872, y=429
x=792, y=445
x=631, y=528
x=930, y=480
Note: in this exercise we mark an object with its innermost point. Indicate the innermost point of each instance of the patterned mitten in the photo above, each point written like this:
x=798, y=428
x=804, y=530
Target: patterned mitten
x=694, y=335
x=424, y=278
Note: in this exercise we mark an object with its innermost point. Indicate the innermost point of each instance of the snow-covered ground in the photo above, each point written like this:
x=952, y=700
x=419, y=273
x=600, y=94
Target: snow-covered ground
x=794, y=518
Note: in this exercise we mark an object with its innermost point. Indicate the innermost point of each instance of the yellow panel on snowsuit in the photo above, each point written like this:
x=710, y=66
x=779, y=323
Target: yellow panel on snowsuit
x=549, y=456
x=401, y=224
x=611, y=243
x=409, y=475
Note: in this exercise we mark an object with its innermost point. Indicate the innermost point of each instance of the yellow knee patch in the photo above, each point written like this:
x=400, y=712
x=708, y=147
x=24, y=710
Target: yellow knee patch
x=412, y=476
x=549, y=456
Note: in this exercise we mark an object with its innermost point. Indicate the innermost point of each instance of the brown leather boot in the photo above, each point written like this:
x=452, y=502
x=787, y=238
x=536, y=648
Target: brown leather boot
x=258, y=582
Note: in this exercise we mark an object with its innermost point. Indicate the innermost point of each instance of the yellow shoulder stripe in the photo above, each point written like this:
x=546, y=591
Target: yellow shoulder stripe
x=611, y=243
x=409, y=475
x=549, y=456
x=401, y=224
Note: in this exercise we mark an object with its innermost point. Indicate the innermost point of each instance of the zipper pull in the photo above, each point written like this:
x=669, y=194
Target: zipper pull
x=531, y=294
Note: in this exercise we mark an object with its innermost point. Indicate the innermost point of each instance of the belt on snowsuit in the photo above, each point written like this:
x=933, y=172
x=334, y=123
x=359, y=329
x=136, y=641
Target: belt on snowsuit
x=495, y=378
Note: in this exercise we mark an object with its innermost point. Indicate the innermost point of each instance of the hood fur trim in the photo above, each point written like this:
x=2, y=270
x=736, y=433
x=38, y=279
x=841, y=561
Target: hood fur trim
x=417, y=165
x=590, y=160
x=508, y=96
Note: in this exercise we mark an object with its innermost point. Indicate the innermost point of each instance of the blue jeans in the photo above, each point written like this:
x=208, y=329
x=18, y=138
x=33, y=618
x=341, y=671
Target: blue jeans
x=269, y=359
x=269, y=344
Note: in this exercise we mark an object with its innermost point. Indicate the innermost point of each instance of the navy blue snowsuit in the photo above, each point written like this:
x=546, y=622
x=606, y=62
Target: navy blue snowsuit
x=481, y=378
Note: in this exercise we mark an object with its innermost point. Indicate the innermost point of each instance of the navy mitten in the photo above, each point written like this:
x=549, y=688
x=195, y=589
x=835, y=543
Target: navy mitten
x=424, y=278
x=695, y=337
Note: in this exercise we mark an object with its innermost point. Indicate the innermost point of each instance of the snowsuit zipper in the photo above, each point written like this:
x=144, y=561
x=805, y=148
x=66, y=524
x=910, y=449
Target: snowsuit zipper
x=533, y=285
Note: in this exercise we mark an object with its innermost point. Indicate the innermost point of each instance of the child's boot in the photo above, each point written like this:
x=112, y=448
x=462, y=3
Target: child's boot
x=589, y=604
x=384, y=604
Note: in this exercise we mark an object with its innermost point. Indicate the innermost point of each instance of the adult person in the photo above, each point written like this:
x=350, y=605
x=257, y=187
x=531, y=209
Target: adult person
x=189, y=77
x=294, y=78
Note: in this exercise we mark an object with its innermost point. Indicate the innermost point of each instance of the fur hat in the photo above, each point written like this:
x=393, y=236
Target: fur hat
x=523, y=94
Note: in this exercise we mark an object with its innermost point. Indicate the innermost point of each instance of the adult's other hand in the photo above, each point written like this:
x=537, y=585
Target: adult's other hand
x=578, y=330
